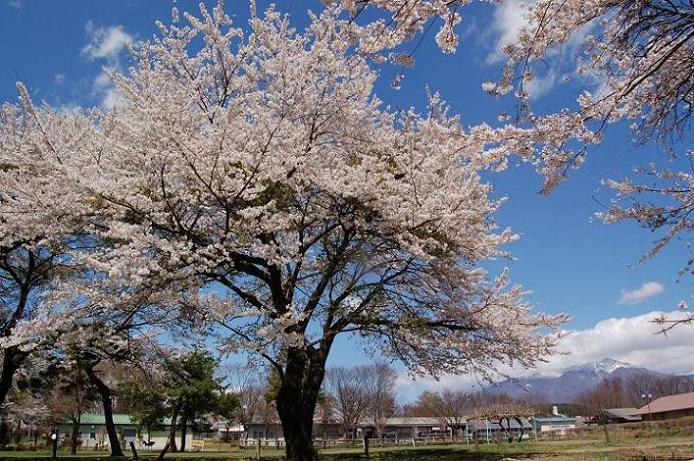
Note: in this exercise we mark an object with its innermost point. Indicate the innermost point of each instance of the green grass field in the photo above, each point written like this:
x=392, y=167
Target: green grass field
x=633, y=449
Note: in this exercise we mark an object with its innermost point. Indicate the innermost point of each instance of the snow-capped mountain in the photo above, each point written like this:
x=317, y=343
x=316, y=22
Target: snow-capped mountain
x=572, y=381
x=603, y=367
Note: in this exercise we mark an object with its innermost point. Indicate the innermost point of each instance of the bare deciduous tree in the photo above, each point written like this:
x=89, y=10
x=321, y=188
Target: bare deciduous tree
x=380, y=390
x=348, y=388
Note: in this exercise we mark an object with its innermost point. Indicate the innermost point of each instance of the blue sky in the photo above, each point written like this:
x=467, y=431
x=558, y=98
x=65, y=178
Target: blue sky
x=571, y=263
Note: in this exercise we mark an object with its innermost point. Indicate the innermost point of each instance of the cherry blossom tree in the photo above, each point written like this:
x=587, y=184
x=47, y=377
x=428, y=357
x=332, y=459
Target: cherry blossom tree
x=36, y=235
x=254, y=178
x=53, y=300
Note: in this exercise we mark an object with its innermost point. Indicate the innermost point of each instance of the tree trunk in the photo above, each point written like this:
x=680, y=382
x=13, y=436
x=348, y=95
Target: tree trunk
x=184, y=431
x=13, y=357
x=297, y=426
x=11, y=361
x=107, y=402
x=521, y=430
x=172, y=433
x=75, y=433
x=4, y=431
x=297, y=398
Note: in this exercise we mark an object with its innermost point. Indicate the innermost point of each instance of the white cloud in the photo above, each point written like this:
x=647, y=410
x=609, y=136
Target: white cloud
x=103, y=81
x=628, y=339
x=634, y=340
x=541, y=84
x=59, y=78
x=18, y=4
x=105, y=42
x=70, y=109
x=509, y=19
x=102, y=86
x=111, y=99
x=639, y=295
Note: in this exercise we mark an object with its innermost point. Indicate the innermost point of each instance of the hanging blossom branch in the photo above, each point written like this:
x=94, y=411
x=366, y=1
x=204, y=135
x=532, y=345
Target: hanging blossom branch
x=662, y=201
x=668, y=322
x=638, y=55
x=640, y=52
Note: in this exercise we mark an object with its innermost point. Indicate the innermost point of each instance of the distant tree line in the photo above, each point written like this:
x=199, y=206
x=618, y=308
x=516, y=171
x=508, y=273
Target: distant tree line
x=634, y=391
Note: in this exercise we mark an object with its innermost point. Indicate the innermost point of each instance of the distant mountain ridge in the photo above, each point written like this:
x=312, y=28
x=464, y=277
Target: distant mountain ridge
x=571, y=383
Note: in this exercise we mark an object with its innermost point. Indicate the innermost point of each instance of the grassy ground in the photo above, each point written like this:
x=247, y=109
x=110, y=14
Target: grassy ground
x=651, y=449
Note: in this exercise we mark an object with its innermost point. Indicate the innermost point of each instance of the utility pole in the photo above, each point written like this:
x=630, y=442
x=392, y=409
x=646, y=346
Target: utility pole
x=649, y=398
x=54, y=443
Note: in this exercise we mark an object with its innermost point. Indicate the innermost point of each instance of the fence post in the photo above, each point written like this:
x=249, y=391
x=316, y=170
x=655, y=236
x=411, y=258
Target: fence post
x=366, y=445
x=257, y=452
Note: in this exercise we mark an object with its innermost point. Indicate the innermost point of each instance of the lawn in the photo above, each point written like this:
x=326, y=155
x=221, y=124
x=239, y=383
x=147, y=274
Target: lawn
x=651, y=449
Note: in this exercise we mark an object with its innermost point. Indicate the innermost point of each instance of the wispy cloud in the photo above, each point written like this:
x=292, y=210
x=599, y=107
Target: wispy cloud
x=106, y=44
x=509, y=18
x=18, y=4
x=541, y=84
x=641, y=294
x=59, y=78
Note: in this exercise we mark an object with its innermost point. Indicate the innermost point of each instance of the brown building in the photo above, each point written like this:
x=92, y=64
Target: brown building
x=668, y=407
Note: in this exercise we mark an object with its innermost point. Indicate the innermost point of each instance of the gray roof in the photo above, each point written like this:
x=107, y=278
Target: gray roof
x=554, y=419
x=626, y=414
x=415, y=421
x=119, y=419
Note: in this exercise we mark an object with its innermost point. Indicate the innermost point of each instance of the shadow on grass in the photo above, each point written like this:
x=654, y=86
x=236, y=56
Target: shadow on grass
x=424, y=454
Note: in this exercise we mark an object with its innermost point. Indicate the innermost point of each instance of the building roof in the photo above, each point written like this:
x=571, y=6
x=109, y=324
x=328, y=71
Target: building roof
x=119, y=419
x=554, y=419
x=411, y=421
x=627, y=414
x=414, y=421
x=668, y=403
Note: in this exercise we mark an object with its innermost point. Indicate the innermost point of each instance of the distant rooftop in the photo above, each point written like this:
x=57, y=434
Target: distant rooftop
x=119, y=419
x=627, y=414
x=554, y=419
x=668, y=403
x=412, y=421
